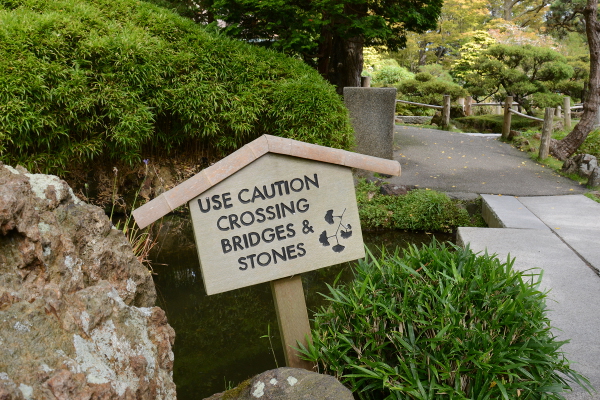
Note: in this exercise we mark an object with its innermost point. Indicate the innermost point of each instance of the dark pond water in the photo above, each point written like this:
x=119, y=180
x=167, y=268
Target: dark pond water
x=222, y=339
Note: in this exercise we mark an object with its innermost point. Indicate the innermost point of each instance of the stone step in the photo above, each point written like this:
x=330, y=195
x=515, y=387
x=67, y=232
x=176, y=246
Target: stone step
x=508, y=212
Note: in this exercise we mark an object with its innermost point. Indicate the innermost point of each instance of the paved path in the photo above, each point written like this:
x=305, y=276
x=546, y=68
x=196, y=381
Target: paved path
x=455, y=162
x=550, y=226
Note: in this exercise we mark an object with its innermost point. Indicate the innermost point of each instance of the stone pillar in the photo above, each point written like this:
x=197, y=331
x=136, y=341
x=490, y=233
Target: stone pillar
x=372, y=116
x=365, y=81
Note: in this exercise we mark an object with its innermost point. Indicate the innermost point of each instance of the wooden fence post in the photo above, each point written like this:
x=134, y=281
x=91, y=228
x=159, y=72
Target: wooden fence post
x=558, y=112
x=468, y=109
x=507, y=117
x=567, y=114
x=446, y=112
x=292, y=318
x=546, y=133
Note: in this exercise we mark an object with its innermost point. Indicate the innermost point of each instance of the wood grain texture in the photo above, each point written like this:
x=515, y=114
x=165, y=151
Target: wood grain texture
x=292, y=318
x=507, y=117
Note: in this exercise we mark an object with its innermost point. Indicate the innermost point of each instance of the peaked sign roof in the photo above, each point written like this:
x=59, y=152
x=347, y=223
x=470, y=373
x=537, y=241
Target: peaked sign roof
x=237, y=160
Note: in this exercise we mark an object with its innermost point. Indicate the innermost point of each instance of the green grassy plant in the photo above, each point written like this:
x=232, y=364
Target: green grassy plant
x=440, y=322
x=141, y=240
x=85, y=80
x=593, y=196
x=419, y=210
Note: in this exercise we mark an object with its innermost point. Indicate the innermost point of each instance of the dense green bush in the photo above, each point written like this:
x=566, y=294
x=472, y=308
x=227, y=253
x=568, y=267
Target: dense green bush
x=390, y=73
x=440, y=323
x=418, y=210
x=426, y=89
x=437, y=71
x=122, y=79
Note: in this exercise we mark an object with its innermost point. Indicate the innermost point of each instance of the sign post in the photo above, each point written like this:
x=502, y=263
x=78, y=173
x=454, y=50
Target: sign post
x=292, y=318
x=267, y=213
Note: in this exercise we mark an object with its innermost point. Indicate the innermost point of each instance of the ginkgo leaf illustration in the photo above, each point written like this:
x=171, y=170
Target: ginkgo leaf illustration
x=345, y=234
x=338, y=248
x=323, y=239
x=329, y=217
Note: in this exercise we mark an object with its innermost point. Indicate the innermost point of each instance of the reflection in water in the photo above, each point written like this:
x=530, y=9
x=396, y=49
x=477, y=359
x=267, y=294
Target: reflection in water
x=218, y=341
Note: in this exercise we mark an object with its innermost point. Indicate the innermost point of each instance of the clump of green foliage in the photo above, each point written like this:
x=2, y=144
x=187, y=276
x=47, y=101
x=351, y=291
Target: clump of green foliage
x=83, y=79
x=390, y=73
x=427, y=89
x=418, y=210
x=440, y=322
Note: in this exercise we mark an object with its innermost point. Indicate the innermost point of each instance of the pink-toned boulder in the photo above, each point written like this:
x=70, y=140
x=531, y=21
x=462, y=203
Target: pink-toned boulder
x=77, y=315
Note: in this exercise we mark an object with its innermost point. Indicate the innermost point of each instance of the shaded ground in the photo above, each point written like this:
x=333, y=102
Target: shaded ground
x=456, y=162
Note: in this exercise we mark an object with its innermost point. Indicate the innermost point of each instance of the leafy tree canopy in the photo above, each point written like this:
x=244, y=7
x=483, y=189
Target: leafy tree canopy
x=327, y=34
x=518, y=71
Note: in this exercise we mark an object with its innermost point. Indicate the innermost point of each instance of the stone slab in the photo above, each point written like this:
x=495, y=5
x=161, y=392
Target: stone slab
x=508, y=212
x=576, y=219
x=372, y=116
x=575, y=290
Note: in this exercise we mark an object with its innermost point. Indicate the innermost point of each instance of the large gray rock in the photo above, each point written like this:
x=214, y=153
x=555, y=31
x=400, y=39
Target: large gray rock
x=288, y=384
x=372, y=116
x=582, y=164
x=76, y=307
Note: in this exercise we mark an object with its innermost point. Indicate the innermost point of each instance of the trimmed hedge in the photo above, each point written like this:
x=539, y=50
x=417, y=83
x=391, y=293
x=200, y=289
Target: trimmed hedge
x=83, y=79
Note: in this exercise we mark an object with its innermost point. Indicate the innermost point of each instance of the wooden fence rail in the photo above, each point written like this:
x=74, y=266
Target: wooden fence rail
x=467, y=105
x=445, y=109
x=412, y=103
x=527, y=116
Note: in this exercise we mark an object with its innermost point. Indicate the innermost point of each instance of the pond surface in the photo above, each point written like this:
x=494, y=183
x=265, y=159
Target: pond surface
x=223, y=339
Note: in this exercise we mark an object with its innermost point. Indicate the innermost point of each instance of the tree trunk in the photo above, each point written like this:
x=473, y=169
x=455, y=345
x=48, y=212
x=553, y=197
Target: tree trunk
x=565, y=148
x=507, y=10
x=345, y=62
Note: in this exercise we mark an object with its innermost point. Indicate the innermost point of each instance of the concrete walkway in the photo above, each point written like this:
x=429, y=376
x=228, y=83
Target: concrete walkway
x=532, y=218
x=455, y=162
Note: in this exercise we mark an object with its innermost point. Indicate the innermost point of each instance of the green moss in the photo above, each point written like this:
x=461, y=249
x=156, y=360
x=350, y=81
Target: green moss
x=236, y=391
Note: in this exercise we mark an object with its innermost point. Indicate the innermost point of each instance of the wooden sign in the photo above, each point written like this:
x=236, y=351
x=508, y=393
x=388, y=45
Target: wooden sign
x=269, y=211
x=279, y=216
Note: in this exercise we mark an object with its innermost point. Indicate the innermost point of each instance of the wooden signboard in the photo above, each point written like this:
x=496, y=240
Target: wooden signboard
x=279, y=216
x=268, y=212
